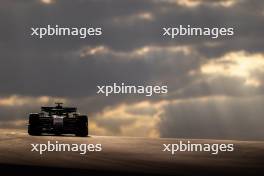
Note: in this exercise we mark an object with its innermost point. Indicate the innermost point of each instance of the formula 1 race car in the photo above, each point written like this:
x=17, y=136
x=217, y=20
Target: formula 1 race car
x=58, y=120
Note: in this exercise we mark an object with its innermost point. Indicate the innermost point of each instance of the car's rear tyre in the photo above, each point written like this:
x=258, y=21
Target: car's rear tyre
x=33, y=131
x=82, y=126
x=33, y=126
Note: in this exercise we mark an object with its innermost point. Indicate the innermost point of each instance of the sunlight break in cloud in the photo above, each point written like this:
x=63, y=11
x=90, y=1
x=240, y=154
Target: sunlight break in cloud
x=138, y=119
x=238, y=64
x=15, y=100
x=135, y=54
x=196, y=3
x=135, y=18
x=47, y=1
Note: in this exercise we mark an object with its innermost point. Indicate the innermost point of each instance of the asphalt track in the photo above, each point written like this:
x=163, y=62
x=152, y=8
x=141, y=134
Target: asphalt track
x=125, y=156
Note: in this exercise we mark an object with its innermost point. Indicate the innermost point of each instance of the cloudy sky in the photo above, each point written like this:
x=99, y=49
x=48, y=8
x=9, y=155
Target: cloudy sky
x=216, y=86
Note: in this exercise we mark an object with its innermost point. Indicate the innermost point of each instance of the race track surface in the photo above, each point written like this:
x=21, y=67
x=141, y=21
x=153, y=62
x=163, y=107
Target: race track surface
x=125, y=155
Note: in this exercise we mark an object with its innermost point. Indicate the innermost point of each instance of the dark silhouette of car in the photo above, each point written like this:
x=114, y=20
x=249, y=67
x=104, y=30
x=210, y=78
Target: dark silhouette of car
x=58, y=120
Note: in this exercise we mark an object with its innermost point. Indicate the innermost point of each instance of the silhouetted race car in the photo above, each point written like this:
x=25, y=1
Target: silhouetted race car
x=58, y=120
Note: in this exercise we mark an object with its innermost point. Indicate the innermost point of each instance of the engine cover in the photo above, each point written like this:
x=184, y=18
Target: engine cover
x=57, y=122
